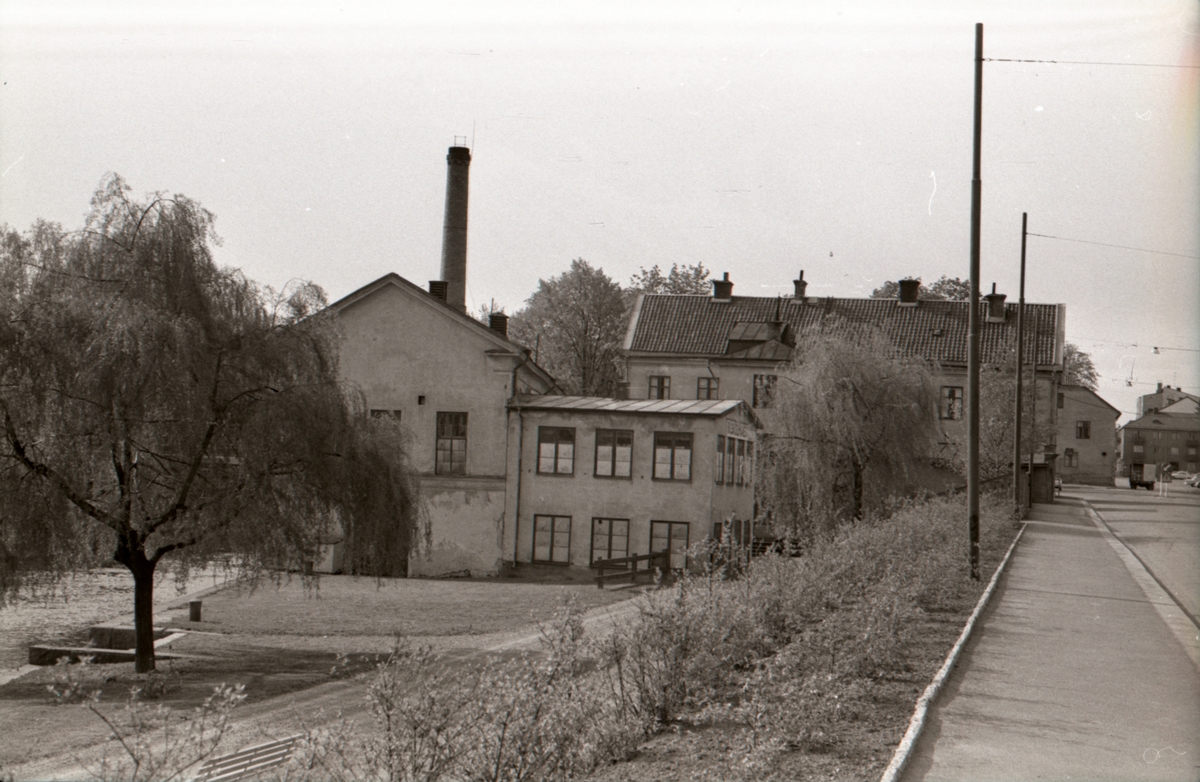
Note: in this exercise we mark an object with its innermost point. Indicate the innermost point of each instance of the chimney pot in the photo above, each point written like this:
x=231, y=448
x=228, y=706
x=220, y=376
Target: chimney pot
x=437, y=289
x=498, y=322
x=723, y=288
x=909, y=292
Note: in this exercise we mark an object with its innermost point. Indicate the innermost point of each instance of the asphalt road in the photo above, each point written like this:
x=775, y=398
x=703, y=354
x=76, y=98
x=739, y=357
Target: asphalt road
x=1164, y=533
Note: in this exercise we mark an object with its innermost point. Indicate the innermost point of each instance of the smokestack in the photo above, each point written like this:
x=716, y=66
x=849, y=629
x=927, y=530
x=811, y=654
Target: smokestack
x=995, y=305
x=454, y=228
x=909, y=291
x=801, y=286
x=498, y=322
x=722, y=289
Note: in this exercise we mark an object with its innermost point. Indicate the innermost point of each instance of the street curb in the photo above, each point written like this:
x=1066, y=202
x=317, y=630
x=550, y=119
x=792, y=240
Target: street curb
x=907, y=744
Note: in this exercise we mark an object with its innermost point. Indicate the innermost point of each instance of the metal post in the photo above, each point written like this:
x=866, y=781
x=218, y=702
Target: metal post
x=1020, y=373
x=973, y=325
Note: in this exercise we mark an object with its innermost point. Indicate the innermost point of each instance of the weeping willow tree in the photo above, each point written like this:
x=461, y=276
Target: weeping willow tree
x=154, y=405
x=850, y=417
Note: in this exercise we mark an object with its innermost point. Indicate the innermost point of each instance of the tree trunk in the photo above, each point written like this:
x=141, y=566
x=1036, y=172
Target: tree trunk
x=132, y=556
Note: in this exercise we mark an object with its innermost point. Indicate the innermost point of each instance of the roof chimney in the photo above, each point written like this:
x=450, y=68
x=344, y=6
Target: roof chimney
x=454, y=227
x=722, y=289
x=437, y=289
x=498, y=322
x=909, y=291
x=995, y=305
x=801, y=286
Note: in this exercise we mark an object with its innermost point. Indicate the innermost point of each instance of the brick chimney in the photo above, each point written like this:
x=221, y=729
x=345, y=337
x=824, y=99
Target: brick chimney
x=909, y=291
x=437, y=289
x=995, y=305
x=498, y=322
x=454, y=227
x=801, y=286
x=722, y=289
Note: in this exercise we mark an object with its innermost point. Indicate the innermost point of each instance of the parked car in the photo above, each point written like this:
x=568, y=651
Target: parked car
x=1181, y=475
x=1194, y=480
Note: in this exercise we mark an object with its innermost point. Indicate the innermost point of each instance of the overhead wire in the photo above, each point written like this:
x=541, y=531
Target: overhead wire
x=1118, y=246
x=1087, y=62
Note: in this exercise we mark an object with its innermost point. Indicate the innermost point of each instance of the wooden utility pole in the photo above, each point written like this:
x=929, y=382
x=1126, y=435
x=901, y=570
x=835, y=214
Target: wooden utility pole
x=1020, y=371
x=973, y=324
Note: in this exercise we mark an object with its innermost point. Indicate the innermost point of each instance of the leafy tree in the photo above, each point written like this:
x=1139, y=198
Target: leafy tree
x=680, y=280
x=951, y=288
x=575, y=322
x=154, y=405
x=849, y=418
x=1078, y=369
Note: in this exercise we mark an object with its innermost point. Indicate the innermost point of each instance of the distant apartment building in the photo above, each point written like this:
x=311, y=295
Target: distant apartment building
x=1160, y=438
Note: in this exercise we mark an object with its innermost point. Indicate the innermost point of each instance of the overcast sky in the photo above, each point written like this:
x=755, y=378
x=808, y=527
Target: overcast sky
x=756, y=138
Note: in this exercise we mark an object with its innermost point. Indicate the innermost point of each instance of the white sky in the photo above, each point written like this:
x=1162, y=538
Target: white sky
x=756, y=138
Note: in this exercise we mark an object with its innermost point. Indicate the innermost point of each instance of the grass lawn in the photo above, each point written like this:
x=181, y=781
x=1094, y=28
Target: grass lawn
x=350, y=606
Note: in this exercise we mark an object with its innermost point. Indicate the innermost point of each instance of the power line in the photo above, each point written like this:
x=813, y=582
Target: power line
x=1082, y=62
x=1118, y=246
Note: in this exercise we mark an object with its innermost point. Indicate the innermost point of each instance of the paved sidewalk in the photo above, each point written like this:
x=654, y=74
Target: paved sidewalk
x=1072, y=674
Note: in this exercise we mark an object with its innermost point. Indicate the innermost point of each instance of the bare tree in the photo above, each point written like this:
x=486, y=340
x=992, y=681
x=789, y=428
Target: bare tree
x=849, y=419
x=154, y=405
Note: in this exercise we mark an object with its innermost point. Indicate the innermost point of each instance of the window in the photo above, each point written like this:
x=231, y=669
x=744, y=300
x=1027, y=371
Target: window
x=552, y=539
x=1139, y=448
x=383, y=414
x=1071, y=458
x=1174, y=450
x=451, y=444
x=614, y=453
x=1061, y=400
x=556, y=450
x=707, y=387
x=670, y=536
x=660, y=387
x=951, y=408
x=741, y=462
x=730, y=459
x=720, y=465
x=672, y=456
x=1083, y=430
x=610, y=539
x=1191, y=450
x=764, y=390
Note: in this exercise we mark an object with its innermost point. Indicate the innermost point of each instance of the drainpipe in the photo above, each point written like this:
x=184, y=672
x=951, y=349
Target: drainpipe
x=520, y=454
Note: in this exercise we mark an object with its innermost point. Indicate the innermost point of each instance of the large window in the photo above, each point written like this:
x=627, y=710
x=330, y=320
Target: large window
x=951, y=407
x=672, y=456
x=552, y=539
x=720, y=463
x=660, y=387
x=451, y=444
x=730, y=459
x=610, y=539
x=614, y=453
x=708, y=388
x=556, y=450
x=741, y=463
x=1083, y=430
x=764, y=390
x=670, y=536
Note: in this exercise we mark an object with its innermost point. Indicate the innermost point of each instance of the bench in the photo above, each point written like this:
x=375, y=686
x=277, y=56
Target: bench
x=248, y=763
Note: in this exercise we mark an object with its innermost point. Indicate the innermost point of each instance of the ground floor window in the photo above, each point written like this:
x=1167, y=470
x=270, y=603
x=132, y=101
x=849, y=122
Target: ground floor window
x=552, y=539
x=670, y=536
x=610, y=539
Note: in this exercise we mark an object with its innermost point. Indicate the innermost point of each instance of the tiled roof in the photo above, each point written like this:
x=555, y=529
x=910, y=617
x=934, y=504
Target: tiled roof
x=1167, y=422
x=708, y=407
x=936, y=330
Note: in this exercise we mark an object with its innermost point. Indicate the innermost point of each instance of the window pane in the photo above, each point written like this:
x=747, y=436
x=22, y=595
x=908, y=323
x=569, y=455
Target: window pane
x=566, y=457
x=624, y=458
x=604, y=460
x=683, y=462
x=662, y=461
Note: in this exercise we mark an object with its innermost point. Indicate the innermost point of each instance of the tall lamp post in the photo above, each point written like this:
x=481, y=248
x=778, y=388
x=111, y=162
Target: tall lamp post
x=973, y=325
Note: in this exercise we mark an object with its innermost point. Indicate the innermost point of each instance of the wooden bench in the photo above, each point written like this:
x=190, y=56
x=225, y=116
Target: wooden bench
x=248, y=763
x=626, y=568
